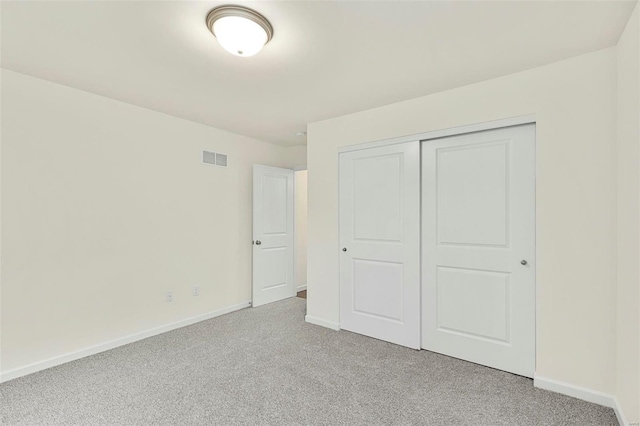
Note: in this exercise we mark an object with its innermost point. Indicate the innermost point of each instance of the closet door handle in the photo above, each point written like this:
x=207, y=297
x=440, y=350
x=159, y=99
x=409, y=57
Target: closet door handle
x=344, y=249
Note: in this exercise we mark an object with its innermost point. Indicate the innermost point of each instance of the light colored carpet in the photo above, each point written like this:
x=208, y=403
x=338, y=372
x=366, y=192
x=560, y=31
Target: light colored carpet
x=267, y=366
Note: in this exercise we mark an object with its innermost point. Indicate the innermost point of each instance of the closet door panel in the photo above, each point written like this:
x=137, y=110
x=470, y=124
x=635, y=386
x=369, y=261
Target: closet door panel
x=380, y=243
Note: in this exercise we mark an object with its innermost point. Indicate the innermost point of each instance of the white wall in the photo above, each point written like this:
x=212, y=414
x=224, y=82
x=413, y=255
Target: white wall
x=628, y=249
x=301, y=228
x=575, y=105
x=105, y=207
x=296, y=156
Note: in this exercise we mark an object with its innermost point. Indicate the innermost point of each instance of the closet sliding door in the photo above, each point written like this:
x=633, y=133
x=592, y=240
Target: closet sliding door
x=380, y=243
x=478, y=247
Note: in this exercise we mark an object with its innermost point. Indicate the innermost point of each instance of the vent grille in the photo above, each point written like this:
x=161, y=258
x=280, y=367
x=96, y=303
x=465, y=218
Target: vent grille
x=214, y=158
x=221, y=160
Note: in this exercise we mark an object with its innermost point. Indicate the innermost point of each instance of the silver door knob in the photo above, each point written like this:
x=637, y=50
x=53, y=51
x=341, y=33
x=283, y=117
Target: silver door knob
x=523, y=262
x=344, y=249
x=258, y=242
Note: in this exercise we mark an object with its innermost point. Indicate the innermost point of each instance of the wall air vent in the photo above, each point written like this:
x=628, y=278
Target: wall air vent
x=214, y=158
x=221, y=159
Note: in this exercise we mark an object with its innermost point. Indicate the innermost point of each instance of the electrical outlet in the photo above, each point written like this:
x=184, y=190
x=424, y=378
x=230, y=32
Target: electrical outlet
x=195, y=290
x=169, y=296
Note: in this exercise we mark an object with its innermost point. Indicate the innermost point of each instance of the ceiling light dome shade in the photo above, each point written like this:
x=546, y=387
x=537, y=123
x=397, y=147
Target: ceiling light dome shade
x=240, y=31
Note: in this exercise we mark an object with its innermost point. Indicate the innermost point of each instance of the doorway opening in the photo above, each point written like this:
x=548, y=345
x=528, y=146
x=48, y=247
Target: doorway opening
x=279, y=234
x=300, y=232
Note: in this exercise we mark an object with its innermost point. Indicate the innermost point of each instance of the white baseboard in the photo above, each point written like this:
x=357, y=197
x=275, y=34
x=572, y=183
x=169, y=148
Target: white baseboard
x=111, y=344
x=582, y=393
x=301, y=288
x=322, y=323
x=619, y=413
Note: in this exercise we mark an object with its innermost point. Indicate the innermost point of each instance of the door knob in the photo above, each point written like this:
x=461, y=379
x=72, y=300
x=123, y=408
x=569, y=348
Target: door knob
x=344, y=249
x=523, y=262
x=258, y=242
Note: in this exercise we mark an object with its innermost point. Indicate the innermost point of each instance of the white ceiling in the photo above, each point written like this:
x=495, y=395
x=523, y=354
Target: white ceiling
x=326, y=58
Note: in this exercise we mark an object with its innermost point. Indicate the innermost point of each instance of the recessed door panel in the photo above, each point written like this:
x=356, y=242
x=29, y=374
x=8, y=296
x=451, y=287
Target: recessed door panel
x=274, y=266
x=474, y=303
x=472, y=184
x=275, y=204
x=378, y=289
x=377, y=206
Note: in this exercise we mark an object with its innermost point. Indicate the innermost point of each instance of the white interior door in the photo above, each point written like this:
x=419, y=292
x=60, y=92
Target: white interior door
x=272, y=234
x=380, y=243
x=478, y=247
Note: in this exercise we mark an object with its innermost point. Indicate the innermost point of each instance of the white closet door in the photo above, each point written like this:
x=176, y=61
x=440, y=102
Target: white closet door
x=272, y=234
x=478, y=248
x=380, y=243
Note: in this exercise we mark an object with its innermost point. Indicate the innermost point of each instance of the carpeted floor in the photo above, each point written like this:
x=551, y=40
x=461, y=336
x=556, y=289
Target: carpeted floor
x=267, y=366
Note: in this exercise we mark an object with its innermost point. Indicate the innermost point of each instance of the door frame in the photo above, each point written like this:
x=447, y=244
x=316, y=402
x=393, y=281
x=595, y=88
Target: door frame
x=455, y=131
x=450, y=131
x=294, y=169
x=295, y=214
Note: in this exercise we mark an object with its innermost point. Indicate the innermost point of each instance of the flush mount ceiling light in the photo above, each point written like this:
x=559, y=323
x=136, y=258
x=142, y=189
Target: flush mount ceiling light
x=239, y=30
